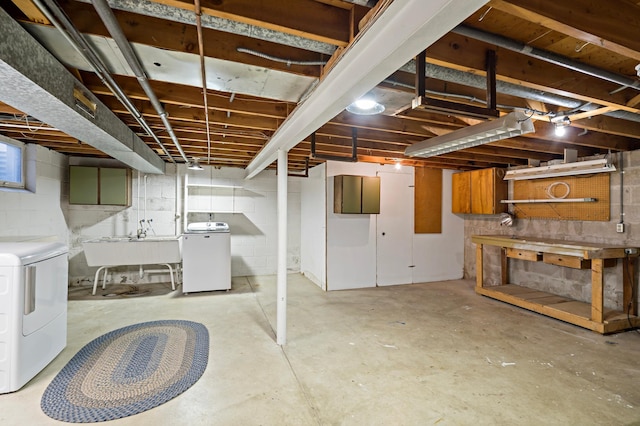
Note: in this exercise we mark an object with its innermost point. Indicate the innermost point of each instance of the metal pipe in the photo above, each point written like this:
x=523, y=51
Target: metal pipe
x=113, y=26
x=544, y=55
x=621, y=165
x=289, y=62
x=203, y=72
x=60, y=21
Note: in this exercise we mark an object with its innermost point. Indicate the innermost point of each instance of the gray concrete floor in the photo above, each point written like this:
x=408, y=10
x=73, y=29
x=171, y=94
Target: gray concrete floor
x=419, y=354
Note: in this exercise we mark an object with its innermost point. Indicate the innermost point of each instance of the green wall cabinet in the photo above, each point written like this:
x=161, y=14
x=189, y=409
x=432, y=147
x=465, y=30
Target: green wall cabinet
x=356, y=194
x=99, y=186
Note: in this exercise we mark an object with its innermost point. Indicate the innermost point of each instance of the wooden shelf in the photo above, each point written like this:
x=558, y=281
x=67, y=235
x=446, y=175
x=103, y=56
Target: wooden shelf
x=559, y=307
x=204, y=185
x=213, y=211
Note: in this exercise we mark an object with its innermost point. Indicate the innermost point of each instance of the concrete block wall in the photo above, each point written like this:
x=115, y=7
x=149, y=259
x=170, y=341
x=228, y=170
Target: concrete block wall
x=40, y=212
x=253, y=222
x=566, y=281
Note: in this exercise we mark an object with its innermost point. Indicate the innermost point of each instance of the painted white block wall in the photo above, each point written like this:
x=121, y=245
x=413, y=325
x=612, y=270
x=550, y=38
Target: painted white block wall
x=39, y=213
x=253, y=221
x=250, y=209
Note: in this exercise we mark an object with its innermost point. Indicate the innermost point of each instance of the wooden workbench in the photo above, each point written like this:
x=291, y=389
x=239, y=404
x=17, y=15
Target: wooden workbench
x=567, y=254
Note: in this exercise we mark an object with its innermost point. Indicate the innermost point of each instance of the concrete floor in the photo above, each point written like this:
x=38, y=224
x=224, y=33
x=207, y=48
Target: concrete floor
x=419, y=354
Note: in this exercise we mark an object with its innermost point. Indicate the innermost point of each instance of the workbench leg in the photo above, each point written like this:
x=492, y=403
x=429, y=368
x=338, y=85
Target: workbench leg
x=597, y=291
x=628, y=274
x=479, y=267
x=504, y=266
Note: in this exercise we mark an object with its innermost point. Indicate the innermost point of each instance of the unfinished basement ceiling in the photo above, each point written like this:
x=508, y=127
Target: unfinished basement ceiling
x=263, y=59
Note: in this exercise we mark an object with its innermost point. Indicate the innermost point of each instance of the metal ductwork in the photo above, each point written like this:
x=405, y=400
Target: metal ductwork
x=63, y=102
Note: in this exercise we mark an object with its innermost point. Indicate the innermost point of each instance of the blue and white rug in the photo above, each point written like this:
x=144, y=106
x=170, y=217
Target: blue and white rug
x=128, y=371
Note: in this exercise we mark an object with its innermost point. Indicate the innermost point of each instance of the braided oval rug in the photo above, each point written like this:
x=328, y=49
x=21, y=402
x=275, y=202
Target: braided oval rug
x=128, y=371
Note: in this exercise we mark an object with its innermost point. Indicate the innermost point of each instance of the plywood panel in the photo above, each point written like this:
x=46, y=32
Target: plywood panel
x=428, y=201
x=461, y=192
x=588, y=186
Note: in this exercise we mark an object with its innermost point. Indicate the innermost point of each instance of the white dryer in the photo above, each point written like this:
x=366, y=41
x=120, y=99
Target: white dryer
x=33, y=309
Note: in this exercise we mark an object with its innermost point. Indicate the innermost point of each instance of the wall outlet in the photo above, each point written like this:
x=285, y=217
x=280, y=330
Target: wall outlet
x=619, y=227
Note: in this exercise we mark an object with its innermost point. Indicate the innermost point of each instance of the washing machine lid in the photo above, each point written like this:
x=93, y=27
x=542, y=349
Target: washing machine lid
x=207, y=227
x=25, y=253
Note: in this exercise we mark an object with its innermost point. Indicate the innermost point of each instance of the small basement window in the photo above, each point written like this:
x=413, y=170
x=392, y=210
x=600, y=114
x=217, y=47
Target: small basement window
x=12, y=164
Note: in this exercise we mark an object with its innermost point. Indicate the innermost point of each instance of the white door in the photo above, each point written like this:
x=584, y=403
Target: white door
x=394, y=228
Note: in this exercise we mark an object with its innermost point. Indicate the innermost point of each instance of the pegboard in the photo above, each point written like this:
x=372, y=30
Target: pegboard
x=588, y=186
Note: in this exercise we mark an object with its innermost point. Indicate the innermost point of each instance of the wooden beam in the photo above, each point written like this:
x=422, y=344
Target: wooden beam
x=612, y=27
x=31, y=11
x=592, y=113
x=180, y=37
x=467, y=55
x=304, y=18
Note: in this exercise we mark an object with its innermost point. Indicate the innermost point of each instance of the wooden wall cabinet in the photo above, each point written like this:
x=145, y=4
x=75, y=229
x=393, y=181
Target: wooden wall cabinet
x=99, y=186
x=356, y=194
x=479, y=192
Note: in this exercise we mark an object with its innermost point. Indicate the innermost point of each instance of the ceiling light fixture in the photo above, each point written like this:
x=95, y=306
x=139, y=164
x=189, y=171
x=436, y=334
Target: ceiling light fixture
x=366, y=105
x=562, y=169
x=513, y=124
x=194, y=164
x=561, y=126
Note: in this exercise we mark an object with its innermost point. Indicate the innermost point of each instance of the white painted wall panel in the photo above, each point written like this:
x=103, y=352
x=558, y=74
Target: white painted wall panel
x=351, y=238
x=313, y=239
x=441, y=256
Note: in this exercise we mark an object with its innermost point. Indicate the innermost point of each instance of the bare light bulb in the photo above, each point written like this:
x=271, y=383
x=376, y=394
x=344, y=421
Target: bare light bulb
x=366, y=103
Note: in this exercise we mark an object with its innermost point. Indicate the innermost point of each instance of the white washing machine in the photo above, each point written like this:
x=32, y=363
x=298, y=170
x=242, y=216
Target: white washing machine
x=206, y=257
x=33, y=309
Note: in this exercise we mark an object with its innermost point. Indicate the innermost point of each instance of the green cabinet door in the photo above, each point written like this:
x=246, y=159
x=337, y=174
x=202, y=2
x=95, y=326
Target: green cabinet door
x=356, y=194
x=113, y=186
x=99, y=186
x=83, y=185
x=370, y=195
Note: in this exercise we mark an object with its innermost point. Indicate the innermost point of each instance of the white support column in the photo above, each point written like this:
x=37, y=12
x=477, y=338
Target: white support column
x=281, y=305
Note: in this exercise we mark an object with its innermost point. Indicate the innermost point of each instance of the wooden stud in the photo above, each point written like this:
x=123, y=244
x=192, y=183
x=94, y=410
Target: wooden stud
x=629, y=303
x=597, y=290
x=479, y=267
x=504, y=266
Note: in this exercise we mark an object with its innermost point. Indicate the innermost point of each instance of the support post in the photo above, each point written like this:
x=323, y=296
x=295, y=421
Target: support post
x=479, y=266
x=597, y=291
x=281, y=304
